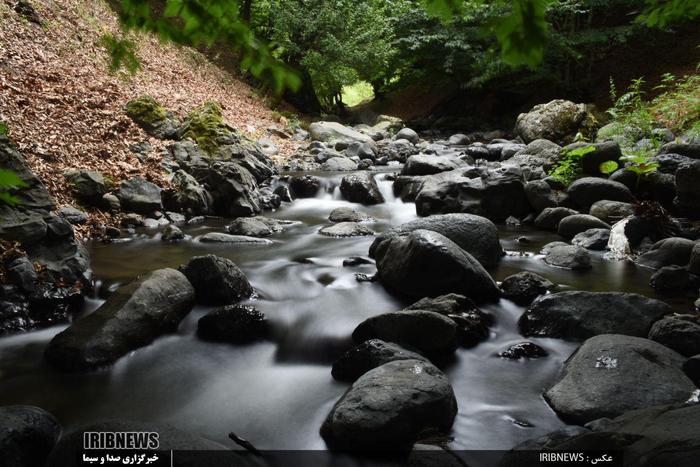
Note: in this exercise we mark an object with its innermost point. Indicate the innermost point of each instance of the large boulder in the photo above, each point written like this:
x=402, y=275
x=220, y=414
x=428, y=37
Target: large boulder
x=611, y=212
x=688, y=190
x=592, y=239
x=474, y=234
x=665, y=435
x=425, y=263
x=88, y=185
x=27, y=435
x=345, y=214
x=690, y=150
x=472, y=323
x=346, y=229
x=146, y=112
x=140, y=196
x=669, y=251
x=234, y=324
x=361, y=188
x=369, y=355
x=428, y=164
x=558, y=121
x=339, y=164
x=426, y=331
x=541, y=196
x=186, y=195
x=561, y=255
x=333, y=132
x=132, y=317
x=492, y=193
x=694, y=262
x=388, y=408
x=584, y=192
x=216, y=280
x=304, y=186
x=611, y=374
x=550, y=218
x=524, y=287
x=573, y=225
x=579, y=315
x=408, y=134
x=34, y=197
x=679, y=332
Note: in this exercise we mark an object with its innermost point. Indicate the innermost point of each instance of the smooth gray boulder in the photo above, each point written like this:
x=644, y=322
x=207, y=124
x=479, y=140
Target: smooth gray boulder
x=216, y=280
x=678, y=332
x=349, y=215
x=424, y=330
x=235, y=324
x=361, y=188
x=522, y=288
x=579, y=315
x=550, y=218
x=369, y=355
x=570, y=226
x=611, y=374
x=667, y=252
x=561, y=255
x=339, y=164
x=611, y=212
x=592, y=239
x=586, y=191
x=218, y=237
x=139, y=196
x=558, y=120
x=475, y=234
x=249, y=227
x=27, y=435
x=428, y=164
x=388, y=407
x=132, y=317
x=332, y=132
x=407, y=134
x=424, y=263
x=346, y=229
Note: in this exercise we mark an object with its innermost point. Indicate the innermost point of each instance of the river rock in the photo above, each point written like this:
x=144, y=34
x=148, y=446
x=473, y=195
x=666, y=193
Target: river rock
x=72, y=215
x=570, y=226
x=674, y=280
x=694, y=262
x=388, y=407
x=369, y=355
x=426, y=164
x=132, y=317
x=187, y=195
x=27, y=435
x=361, y=188
x=474, y=234
x=140, y=196
x=592, y=239
x=579, y=315
x=584, y=192
x=558, y=121
x=669, y=163
x=424, y=263
x=424, y=330
x=192, y=450
x=667, y=252
x=249, y=227
x=611, y=374
x=561, y=255
x=472, y=323
x=339, y=164
x=304, y=186
x=550, y=218
x=602, y=152
x=494, y=193
x=540, y=195
x=235, y=324
x=690, y=150
x=523, y=350
x=332, y=132
x=88, y=185
x=217, y=237
x=522, y=288
x=346, y=229
x=678, y=332
x=691, y=367
x=349, y=215
x=611, y=212
x=363, y=151
x=688, y=190
x=216, y=280
x=172, y=233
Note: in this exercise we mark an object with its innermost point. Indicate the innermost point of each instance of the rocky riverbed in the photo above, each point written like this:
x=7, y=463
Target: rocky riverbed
x=383, y=288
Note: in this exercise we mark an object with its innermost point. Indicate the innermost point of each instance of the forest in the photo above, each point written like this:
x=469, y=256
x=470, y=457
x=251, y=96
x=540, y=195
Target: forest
x=349, y=232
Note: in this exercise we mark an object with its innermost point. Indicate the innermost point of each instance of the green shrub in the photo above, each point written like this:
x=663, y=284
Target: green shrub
x=568, y=168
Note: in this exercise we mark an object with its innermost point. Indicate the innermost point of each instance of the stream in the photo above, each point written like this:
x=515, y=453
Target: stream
x=277, y=393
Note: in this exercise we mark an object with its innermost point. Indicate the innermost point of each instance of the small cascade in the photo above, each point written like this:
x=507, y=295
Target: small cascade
x=619, y=244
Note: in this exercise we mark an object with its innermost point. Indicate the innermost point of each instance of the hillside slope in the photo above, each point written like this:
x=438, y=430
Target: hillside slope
x=64, y=109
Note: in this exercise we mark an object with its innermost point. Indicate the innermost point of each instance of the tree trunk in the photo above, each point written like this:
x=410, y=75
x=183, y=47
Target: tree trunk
x=246, y=10
x=305, y=99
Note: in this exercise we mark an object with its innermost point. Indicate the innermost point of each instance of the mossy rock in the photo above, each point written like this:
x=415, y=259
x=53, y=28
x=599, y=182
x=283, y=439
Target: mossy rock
x=205, y=125
x=153, y=117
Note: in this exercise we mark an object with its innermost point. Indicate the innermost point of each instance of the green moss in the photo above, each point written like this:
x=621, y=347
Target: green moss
x=204, y=125
x=146, y=111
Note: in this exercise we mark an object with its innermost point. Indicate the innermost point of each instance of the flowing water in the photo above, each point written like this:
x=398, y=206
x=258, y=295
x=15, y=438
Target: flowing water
x=277, y=393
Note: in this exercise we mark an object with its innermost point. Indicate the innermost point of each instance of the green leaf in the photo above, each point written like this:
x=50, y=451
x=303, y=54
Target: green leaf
x=523, y=33
x=3, y=128
x=608, y=167
x=444, y=9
